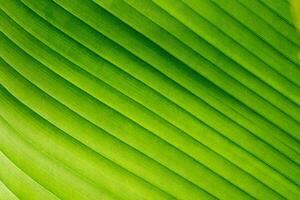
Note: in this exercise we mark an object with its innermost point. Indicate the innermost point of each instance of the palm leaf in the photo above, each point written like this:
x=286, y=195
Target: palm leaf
x=162, y=99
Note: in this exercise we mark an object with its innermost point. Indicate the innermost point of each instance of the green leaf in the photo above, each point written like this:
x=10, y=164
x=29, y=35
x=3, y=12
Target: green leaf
x=162, y=99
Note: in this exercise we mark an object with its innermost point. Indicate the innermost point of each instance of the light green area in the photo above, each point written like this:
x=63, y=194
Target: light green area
x=296, y=12
x=5, y=193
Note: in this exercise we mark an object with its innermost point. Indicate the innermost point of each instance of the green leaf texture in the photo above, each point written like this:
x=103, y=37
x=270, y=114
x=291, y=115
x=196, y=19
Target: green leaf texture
x=149, y=99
